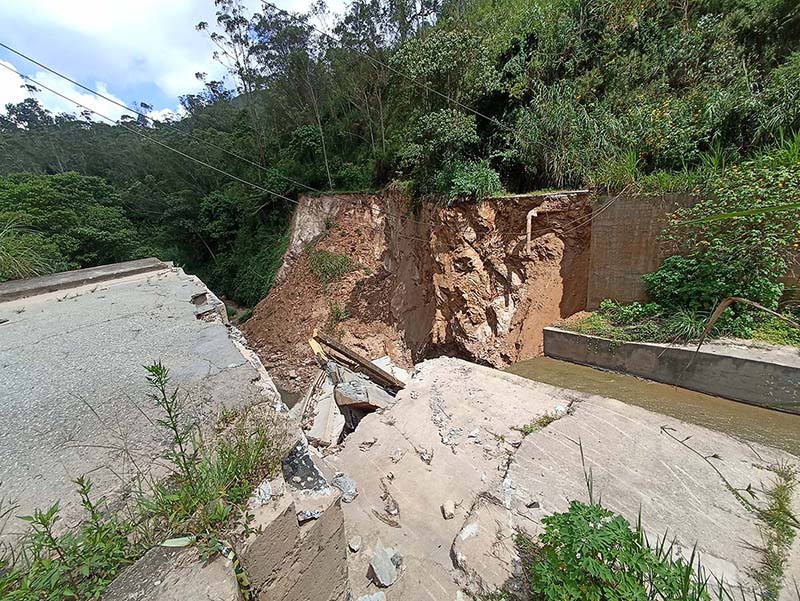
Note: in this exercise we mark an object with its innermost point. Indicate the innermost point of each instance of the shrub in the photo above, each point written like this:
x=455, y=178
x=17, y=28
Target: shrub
x=590, y=552
x=474, y=180
x=337, y=314
x=739, y=256
x=328, y=266
x=621, y=314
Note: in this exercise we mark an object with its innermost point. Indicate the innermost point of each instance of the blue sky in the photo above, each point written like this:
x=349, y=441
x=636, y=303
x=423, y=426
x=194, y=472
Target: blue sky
x=135, y=51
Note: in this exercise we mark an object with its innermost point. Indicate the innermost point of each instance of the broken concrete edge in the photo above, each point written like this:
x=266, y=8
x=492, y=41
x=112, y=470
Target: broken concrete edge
x=16, y=289
x=729, y=374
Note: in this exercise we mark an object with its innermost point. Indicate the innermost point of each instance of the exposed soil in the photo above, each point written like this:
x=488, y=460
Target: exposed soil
x=447, y=280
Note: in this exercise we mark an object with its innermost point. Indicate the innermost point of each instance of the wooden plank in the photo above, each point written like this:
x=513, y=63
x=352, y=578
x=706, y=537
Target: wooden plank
x=375, y=373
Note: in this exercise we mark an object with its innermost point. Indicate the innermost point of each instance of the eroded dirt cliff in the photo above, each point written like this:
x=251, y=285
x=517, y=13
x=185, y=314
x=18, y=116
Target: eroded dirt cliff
x=455, y=280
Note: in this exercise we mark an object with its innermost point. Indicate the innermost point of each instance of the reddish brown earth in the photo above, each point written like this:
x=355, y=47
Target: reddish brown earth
x=445, y=280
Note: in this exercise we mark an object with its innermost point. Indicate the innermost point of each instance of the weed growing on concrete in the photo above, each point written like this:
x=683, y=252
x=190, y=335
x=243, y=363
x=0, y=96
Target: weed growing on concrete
x=204, y=497
x=329, y=267
x=211, y=482
x=590, y=552
x=778, y=524
x=75, y=565
x=778, y=530
x=539, y=423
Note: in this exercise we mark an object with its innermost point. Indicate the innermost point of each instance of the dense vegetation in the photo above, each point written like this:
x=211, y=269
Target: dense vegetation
x=451, y=97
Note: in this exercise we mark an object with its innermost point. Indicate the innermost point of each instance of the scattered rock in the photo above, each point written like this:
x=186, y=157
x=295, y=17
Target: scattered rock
x=347, y=485
x=448, y=510
x=396, y=455
x=425, y=455
x=262, y=494
x=475, y=433
x=308, y=515
x=532, y=504
x=354, y=543
x=383, y=567
x=292, y=375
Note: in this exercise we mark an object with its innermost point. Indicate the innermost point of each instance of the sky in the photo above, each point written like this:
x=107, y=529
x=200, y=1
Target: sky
x=133, y=51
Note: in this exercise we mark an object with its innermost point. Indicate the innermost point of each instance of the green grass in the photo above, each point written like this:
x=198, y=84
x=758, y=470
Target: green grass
x=778, y=530
x=636, y=322
x=329, y=267
x=538, y=424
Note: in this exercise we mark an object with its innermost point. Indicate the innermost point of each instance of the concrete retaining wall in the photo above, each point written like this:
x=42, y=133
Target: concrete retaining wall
x=767, y=377
x=625, y=245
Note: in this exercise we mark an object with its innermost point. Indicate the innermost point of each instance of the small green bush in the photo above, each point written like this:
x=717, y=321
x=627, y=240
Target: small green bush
x=591, y=553
x=329, y=267
x=474, y=180
x=742, y=256
x=336, y=315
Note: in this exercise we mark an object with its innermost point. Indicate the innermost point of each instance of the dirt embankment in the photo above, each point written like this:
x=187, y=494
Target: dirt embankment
x=446, y=280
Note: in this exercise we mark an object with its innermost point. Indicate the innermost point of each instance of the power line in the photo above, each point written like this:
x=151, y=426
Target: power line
x=162, y=144
x=176, y=129
x=145, y=116
x=149, y=138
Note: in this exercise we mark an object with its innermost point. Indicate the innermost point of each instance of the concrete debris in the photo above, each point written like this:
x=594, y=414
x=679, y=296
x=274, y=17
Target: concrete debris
x=354, y=543
x=448, y=510
x=347, y=485
x=385, y=363
x=262, y=494
x=425, y=454
x=340, y=397
x=300, y=472
x=362, y=394
x=384, y=563
x=347, y=356
x=379, y=596
x=307, y=515
x=170, y=574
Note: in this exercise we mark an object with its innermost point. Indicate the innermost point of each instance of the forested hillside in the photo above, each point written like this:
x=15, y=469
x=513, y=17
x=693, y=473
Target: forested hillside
x=451, y=98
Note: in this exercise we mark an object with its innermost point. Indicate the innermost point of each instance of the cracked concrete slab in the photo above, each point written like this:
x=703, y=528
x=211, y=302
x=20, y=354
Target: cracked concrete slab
x=454, y=437
x=427, y=451
x=635, y=466
x=73, y=393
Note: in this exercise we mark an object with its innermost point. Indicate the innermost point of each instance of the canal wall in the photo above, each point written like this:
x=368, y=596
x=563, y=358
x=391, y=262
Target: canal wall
x=768, y=377
x=625, y=244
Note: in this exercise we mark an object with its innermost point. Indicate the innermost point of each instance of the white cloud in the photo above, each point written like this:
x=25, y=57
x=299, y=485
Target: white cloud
x=144, y=50
x=57, y=104
x=11, y=86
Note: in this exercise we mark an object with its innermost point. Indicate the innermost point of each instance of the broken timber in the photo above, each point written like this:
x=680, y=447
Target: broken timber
x=359, y=363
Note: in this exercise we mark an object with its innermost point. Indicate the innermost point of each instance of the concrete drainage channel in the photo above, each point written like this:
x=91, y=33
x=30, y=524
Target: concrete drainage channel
x=759, y=375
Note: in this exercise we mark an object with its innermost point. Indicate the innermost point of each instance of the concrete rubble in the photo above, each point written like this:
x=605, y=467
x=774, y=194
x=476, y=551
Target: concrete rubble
x=398, y=487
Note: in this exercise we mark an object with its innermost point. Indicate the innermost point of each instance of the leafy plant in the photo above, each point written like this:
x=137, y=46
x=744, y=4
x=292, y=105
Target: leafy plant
x=743, y=257
x=75, y=565
x=336, y=315
x=473, y=180
x=589, y=552
x=205, y=493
